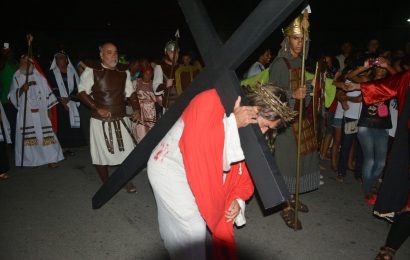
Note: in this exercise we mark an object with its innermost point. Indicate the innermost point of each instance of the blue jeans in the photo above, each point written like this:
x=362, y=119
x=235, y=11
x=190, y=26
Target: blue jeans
x=374, y=146
x=347, y=141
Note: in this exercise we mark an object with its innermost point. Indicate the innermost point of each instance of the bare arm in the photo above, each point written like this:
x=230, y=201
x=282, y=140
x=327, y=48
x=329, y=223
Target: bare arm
x=354, y=75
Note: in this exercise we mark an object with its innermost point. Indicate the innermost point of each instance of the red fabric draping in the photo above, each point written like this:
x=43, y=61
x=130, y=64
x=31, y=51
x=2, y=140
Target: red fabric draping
x=201, y=145
x=387, y=88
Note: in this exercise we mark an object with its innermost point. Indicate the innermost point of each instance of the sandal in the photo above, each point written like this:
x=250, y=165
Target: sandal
x=53, y=165
x=4, y=176
x=288, y=215
x=385, y=253
x=302, y=207
x=340, y=178
x=131, y=188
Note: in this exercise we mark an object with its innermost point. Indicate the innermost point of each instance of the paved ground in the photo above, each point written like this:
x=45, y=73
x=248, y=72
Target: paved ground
x=46, y=214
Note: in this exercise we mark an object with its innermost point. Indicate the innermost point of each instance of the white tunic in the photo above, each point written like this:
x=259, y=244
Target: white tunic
x=181, y=225
x=41, y=145
x=99, y=151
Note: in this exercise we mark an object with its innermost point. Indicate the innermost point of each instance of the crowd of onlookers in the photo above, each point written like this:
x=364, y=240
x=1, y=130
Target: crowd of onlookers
x=355, y=136
x=350, y=128
x=358, y=136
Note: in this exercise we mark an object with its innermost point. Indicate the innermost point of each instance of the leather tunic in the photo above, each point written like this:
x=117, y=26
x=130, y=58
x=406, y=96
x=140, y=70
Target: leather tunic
x=108, y=92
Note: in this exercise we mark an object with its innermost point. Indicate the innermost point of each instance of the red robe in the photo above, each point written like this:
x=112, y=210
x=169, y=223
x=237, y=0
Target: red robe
x=201, y=145
x=394, y=192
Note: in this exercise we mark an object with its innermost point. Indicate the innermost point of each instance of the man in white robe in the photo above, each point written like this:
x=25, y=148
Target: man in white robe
x=198, y=174
x=41, y=145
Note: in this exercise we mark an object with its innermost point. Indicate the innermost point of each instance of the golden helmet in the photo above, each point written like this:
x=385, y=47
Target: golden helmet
x=295, y=27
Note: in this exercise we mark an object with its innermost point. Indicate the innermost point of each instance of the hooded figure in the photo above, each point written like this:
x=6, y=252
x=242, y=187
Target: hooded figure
x=64, y=80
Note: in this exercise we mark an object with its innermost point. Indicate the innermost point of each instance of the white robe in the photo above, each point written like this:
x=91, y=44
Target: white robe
x=180, y=223
x=6, y=136
x=41, y=145
x=99, y=151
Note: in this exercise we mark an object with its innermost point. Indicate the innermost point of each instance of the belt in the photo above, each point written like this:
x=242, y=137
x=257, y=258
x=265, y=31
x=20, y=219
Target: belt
x=117, y=129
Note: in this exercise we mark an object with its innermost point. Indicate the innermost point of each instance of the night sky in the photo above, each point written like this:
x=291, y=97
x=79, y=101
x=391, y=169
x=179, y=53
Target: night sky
x=140, y=28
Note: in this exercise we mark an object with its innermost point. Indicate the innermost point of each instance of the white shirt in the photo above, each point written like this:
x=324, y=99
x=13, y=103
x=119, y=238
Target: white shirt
x=87, y=82
x=256, y=68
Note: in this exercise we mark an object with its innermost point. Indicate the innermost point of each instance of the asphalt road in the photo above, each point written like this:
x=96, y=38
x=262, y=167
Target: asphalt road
x=46, y=214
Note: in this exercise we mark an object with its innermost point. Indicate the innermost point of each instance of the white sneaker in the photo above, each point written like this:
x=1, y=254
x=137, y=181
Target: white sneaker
x=321, y=182
x=321, y=176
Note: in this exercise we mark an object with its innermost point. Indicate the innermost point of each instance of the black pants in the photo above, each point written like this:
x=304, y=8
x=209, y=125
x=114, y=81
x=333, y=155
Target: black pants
x=4, y=160
x=399, y=231
x=11, y=114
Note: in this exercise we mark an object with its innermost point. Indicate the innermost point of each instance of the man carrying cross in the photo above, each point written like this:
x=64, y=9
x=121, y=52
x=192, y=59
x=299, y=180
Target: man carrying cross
x=221, y=60
x=198, y=173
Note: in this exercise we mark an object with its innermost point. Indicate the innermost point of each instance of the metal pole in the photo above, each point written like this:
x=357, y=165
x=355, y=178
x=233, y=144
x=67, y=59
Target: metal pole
x=302, y=82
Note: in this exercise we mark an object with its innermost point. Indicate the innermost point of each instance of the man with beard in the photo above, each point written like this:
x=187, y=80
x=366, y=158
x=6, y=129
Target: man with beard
x=64, y=81
x=104, y=89
x=285, y=71
x=41, y=146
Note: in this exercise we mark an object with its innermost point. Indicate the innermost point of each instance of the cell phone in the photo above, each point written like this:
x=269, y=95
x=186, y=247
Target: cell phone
x=373, y=62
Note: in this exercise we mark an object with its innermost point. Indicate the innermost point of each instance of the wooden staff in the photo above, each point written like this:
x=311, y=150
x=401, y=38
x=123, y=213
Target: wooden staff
x=305, y=27
x=29, y=38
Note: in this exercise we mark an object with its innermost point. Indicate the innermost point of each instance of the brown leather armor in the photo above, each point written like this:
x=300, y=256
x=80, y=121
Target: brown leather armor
x=170, y=94
x=108, y=92
x=294, y=79
x=308, y=138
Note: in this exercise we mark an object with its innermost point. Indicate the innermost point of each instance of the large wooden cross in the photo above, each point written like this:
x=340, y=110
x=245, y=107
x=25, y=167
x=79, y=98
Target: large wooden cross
x=221, y=60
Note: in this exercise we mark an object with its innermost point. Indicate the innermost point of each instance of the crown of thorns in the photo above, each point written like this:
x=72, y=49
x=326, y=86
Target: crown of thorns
x=273, y=102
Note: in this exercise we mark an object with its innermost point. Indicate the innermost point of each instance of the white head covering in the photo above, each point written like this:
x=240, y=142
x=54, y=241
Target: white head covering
x=71, y=74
